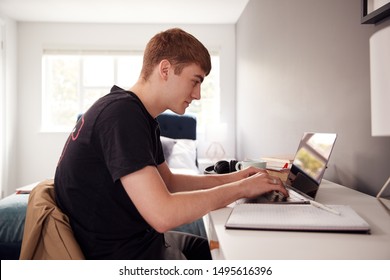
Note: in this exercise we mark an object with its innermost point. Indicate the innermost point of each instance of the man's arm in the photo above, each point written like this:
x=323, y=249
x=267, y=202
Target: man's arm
x=185, y=182
x=164, y=210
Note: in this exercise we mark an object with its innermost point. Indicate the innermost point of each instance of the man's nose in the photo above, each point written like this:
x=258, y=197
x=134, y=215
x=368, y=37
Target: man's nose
x=196, y=93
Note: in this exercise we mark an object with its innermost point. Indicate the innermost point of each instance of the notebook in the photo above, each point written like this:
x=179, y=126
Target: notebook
x=298, y=217
x=306, y=172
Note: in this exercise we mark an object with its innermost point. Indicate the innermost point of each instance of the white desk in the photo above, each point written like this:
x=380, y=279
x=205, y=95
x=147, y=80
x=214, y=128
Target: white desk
x=276, y=245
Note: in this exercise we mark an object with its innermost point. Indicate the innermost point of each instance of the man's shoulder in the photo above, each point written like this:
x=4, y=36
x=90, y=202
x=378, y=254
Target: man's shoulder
x=115, y=99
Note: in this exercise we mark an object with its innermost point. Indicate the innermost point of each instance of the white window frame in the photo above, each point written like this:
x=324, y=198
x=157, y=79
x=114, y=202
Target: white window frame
x=46, y=126
x=201, y=122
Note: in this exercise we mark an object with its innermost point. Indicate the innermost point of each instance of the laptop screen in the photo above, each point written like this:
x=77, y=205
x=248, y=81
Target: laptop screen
x=310, y=162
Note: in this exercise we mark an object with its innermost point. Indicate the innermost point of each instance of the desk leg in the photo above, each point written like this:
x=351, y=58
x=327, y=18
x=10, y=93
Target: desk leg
x=213, y=239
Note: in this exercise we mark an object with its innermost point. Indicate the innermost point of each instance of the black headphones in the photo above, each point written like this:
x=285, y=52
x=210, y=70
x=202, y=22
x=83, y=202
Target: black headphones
x=222, y=167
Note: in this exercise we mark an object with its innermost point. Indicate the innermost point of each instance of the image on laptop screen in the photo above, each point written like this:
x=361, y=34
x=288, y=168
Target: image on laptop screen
x=310, y=162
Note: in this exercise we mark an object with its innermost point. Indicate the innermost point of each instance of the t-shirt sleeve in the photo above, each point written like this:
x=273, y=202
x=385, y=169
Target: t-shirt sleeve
x=126, y=138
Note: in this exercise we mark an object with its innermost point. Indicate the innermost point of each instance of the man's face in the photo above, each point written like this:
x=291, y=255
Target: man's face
x=185, y=87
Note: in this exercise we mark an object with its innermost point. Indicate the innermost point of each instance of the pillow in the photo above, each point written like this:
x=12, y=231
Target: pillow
x=13, y=214
x=167, y=146
x=183, y=155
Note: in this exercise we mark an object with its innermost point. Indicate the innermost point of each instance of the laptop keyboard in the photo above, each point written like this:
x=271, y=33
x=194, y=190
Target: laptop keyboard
x=276, y=196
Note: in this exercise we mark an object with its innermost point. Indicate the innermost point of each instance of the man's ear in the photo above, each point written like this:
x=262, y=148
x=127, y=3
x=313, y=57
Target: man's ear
x=164, y=67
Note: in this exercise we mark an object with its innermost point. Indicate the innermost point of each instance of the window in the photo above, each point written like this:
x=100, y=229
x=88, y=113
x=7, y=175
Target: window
x=72, y=82
x=207, y=109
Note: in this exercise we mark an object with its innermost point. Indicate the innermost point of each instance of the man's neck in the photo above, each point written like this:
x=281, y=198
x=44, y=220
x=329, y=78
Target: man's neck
x=149, y=96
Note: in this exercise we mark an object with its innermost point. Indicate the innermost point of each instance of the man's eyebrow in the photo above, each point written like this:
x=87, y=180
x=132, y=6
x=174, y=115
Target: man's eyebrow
x=201, y=78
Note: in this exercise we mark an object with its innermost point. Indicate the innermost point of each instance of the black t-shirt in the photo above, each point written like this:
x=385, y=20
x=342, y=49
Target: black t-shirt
x=115, y=137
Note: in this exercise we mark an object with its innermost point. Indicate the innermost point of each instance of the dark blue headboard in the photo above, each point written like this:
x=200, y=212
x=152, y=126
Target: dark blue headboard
x=177, y=126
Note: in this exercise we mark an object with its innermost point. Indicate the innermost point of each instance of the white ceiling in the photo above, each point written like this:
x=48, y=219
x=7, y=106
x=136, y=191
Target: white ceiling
x=125, y=11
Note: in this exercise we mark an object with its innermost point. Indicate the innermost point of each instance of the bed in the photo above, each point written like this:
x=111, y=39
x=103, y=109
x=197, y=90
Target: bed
x=178, y=136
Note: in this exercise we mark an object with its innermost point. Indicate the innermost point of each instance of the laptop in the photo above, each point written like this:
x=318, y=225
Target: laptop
x=307, y=170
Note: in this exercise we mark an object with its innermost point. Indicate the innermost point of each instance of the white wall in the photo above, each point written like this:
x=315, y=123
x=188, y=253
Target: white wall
x=38, y=152
x=304, y=66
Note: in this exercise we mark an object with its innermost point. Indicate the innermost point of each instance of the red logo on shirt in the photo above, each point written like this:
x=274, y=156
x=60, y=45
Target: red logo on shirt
x=74, y=135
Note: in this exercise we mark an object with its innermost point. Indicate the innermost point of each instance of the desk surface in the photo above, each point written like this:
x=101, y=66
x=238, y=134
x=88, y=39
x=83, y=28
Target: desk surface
x=274, y=245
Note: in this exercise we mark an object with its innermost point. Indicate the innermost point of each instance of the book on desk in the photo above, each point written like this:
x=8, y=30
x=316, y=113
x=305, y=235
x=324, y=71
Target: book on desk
x=296, y=218
x=279, y=166
x=278, y=162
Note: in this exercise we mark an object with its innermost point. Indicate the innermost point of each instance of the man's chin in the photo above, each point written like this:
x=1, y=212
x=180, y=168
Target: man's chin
x=179, y=112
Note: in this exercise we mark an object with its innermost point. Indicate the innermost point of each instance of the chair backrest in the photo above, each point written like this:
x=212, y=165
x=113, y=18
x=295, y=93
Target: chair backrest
x=47, y=231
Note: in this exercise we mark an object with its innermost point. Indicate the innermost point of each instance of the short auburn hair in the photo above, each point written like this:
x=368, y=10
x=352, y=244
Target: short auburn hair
x=179, y=48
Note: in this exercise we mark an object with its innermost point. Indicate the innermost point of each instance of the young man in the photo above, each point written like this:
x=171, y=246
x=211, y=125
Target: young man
x=112, y=180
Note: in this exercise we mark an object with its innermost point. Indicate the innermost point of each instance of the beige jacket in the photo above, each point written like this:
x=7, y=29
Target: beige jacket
x=47, y=232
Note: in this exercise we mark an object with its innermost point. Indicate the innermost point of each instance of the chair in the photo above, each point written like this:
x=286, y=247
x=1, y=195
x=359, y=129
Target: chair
x=47, y=232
